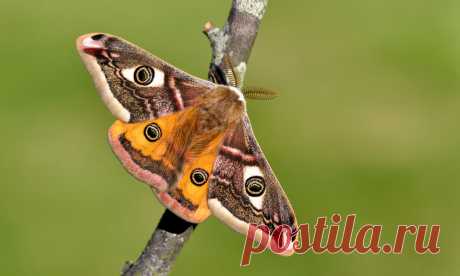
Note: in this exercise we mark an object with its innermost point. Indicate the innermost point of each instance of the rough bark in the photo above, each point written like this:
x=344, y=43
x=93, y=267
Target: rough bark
x=237, y=36
x=163, y=247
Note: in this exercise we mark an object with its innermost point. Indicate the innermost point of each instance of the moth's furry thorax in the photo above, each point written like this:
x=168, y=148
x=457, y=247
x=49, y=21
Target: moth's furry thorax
x=221, y=107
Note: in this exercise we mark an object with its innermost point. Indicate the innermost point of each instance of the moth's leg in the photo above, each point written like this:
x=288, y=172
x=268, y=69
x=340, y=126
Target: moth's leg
x=231, y=75
x=224, y=73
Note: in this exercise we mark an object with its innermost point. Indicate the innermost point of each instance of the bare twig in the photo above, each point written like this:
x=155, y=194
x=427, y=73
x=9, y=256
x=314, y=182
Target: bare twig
x=163, y=247
x=235, y=40
x=237, y=36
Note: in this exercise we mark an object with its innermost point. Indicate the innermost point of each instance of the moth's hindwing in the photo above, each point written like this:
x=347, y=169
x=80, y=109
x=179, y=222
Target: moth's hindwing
x=158, y=153
x=144, y=159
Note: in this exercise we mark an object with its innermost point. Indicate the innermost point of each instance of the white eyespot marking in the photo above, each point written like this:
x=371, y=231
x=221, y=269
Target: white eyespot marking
x=158, y=78
x=250, y=171
x=102, y=86
x=253, y=171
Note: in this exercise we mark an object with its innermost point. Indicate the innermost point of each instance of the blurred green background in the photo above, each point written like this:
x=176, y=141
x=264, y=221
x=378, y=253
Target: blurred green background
x=367, y=123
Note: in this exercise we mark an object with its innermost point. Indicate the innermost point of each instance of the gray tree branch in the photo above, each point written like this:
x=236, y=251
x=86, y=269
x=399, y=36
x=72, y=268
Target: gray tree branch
x=237, y=36
x=163, y=247
x=235, y=40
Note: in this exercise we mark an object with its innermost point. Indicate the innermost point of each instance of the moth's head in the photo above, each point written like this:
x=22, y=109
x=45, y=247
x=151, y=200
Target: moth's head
x=224, y=102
